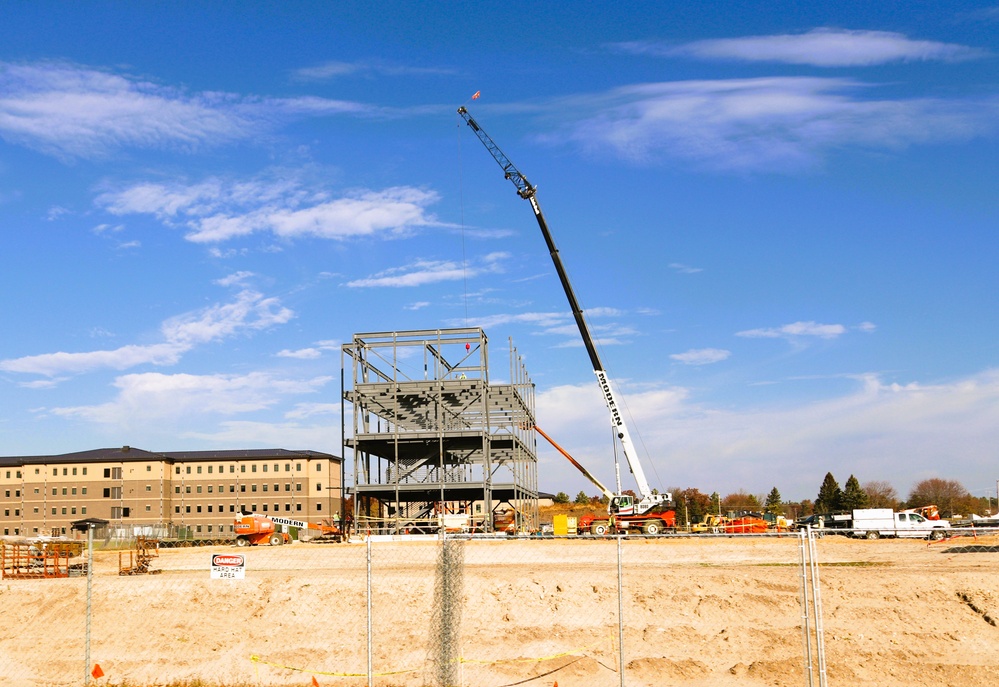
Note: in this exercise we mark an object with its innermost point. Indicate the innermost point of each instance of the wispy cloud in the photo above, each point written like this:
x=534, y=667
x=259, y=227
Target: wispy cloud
x=311, y=352
x=772, y=123
x=822, y=47
x=218, y=210
x=250, y=311
x=335, y=69
x=145, y=398
x=701, y=356
x=684, y=269
x=422, y=272
x=796, y=330
x=71, y=111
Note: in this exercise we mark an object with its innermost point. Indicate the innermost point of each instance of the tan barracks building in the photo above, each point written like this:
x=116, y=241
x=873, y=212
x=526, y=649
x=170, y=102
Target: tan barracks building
x=194, y=494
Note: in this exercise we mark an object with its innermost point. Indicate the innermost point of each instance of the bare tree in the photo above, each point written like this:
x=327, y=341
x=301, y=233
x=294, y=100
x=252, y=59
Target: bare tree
x=947, y=495
x=881, y=494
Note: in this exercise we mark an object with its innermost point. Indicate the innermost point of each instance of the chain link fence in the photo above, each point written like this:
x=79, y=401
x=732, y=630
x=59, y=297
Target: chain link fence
x=787, y=609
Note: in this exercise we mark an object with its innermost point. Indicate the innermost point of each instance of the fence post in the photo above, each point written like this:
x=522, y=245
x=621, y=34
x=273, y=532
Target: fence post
x=620, y=611
x=371, y=677
x=90, y=583
x=805, y=627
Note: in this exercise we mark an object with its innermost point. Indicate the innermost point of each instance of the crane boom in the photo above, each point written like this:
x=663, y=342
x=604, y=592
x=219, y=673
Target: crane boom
x=528, y=192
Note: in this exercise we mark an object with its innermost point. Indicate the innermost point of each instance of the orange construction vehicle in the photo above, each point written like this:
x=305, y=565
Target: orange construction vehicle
x=253, y=529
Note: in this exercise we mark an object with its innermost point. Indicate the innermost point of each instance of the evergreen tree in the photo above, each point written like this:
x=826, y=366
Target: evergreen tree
x=830, y=495
x=715, y=503
x=561, y=497
x=774, y=502
x=853, y=495
x=582, y=499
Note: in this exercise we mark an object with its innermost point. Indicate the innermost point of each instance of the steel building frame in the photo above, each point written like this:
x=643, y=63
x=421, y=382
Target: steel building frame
x=434, y=444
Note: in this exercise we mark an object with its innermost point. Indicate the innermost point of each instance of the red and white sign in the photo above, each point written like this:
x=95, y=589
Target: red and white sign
x=228, y=566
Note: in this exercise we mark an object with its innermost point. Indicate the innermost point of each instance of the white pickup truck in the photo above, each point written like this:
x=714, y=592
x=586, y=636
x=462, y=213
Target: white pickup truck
x=872, y=523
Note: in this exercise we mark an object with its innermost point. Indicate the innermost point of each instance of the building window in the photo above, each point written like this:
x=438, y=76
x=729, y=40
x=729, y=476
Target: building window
x=277, y=487
x=176, y=490
x=265, y=487
x=265, y=467
x=176, y=509
x=189, y=469
x=187, y=509
x=232, y=468
x=276, y=467
x=298, y=467
x=199, y=469
x=253, y=487
x=149, y=487
x=209, y=529
x=65, y=472
x=64, y=511
x=84, y=471
x=298, y=486
x=149, y=468
x=253, y=468
x=199, y=529
x=298, y=506
x=209, y=470
x=242, y=488
x=187, y=490
x=319, y=486
x=287, y=506
x=55, y=492
x=148, y=508
x=232, y=508
x=54, y=512
x=83, y=510
x=287, y=486
x=232, y=488
x=209, y=489
x=199, y=488
x=176, y=470
x=74, y=471
x=64, y=491
x=221, y=469
x=319, y=506
x=319, y=467
x=287, y=467
x=72, y=511
x=73, y=491
x=265, y=507
x=83, y=490
x=242, y=468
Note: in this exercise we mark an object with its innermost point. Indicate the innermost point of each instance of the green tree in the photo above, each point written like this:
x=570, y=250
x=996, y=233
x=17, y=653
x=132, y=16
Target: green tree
x=582, y=499
x=830, y=495
x=774, y=503
x=690, y=503
x=561, y=497
x=853, y=496
x=715, y=503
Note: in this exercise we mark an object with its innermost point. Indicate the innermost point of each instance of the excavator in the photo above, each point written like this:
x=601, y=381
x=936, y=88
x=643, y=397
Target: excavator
x=652, y=512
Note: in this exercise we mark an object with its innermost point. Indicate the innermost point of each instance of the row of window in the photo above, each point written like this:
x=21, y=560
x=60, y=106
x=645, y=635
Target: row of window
x=118, y=512
x=242, y=468
x=232, y=508
x=115, y=492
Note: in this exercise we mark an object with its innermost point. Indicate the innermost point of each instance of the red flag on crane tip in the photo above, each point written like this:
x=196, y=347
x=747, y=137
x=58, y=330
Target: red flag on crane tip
x=315, y=682
x=477, y=94
x=97, y=672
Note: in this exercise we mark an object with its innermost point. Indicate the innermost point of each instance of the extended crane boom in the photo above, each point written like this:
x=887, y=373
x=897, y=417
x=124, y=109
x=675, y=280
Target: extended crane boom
x=528, y=192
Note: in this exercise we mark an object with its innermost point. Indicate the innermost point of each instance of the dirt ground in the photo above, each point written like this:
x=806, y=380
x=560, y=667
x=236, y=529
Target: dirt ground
x=712, y=611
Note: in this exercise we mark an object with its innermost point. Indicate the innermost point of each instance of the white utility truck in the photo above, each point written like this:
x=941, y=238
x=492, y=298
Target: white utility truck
x=873, y=523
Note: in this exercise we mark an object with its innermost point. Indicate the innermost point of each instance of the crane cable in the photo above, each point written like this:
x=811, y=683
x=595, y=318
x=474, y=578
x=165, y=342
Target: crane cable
x=461, y=214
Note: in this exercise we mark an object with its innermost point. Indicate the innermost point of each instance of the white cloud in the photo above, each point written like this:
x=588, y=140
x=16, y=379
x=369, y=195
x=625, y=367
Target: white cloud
x=217, y=210
x=898, y=432
x=148, y=398
x=796, y=329
x=701, y=356
x=333, y=69
x=772, y=123
x=250, y=311
x=71, y=112
x=310, y=353
x=822, y=47
x=422, y=272
x=684, y=269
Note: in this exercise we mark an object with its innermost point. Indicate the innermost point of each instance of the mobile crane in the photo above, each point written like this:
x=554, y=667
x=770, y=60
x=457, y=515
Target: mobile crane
x=253, y=529
x=650, y=512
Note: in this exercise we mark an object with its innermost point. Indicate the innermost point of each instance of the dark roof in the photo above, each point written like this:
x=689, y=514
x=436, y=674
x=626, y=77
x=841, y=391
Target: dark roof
x=127, y=454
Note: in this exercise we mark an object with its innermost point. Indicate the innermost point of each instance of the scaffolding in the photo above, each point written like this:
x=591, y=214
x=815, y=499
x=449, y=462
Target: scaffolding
x=435, y=445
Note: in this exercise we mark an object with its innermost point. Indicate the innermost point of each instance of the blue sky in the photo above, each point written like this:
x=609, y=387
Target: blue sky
x=780, y=219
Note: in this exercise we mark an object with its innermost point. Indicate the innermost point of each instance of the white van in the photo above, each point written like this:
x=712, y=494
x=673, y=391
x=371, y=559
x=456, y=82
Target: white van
x=872, y=523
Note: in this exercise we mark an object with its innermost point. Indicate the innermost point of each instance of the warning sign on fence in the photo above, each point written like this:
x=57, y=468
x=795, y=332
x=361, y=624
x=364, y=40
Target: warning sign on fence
x=228, y=566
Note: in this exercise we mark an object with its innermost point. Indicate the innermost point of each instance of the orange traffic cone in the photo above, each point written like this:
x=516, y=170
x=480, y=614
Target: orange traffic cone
x=97, y=672
x=315, y=682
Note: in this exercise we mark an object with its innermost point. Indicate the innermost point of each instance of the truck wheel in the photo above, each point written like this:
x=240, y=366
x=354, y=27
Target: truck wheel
x=242, y=541
x=599, y=528
x=872, y=535
x=276, y=540
x=654, y=527
x=938, y=534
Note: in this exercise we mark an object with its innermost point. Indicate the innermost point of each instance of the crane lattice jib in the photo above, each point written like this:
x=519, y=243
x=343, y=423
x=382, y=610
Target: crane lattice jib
x=524, y=188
